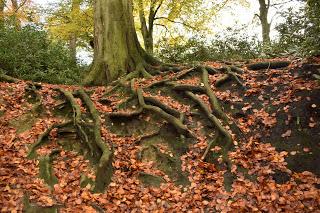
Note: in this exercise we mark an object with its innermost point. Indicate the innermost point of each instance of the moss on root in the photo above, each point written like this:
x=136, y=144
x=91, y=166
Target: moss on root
x=29, y=207
x=45, y=169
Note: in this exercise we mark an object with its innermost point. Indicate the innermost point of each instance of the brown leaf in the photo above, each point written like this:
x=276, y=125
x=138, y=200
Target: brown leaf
x=286, y=134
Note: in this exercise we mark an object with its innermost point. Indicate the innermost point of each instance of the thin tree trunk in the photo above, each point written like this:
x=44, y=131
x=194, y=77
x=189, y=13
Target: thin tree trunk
x=263, y=16
x=147, y=31
x=116, y=48
x=75, y=10
x=16, y=20
x=73, y=47
x=2, y=5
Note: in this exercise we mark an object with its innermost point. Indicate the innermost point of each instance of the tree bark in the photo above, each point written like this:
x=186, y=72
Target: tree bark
x=16, y=20
x=73, y=47
x=147, y=30
x=75, y=11
x=263, y=16
x=2, y=5
x=116, y=48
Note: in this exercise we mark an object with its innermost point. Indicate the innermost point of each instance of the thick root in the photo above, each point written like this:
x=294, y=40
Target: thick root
x=77, y=119
x=180, y=127
x=212, y=97
x=230, y=75
x=159, y=104
x=125, y=114
x=42, y=139
x=226, y=135
x=268, y=65
x=104, y=169
x=46, y=171
x=9, y=79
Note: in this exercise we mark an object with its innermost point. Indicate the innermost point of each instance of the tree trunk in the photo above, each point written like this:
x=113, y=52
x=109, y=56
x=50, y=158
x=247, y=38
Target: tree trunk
x=2, y=5
x=73, y=47
x=75, y=11
x=148, y=43
x=265, y=25
x=16, y=20
x=117, y=51
x=147, y=31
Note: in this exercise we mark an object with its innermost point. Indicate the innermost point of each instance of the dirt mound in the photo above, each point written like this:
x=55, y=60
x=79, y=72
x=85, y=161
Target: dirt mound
x=211, y=138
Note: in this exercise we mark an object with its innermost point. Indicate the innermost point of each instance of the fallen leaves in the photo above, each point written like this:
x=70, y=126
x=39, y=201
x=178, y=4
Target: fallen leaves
x=286, y=134
x=206, y=191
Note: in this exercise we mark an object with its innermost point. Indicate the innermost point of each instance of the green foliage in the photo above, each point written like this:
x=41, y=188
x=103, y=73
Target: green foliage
x=299, y=34
x=229, y=46
x=71, y=18
x=313, y=27
x=28, y=54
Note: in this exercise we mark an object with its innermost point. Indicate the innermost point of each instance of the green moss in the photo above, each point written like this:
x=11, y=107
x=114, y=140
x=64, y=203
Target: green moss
x=244, y=171
x=132, y=126
x=84, y=181
x=26, y=121
x=33, y=151
x=150, y=180
x=228, y=180
x=72, y=144
x=32, y=208
x=46, y=171
x=171, y=166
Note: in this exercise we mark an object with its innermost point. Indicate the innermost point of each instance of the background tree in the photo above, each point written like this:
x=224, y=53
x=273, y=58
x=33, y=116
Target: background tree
x=263, y=17
x=191, y=15
x=265, y=7
x=71, y=22
x=15, y=13
x=298, y=34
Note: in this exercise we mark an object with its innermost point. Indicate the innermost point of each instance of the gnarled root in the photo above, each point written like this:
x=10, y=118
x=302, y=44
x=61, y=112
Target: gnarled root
x=104, y=169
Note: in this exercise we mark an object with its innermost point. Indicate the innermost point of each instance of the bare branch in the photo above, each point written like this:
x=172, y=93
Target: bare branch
x=177, y=22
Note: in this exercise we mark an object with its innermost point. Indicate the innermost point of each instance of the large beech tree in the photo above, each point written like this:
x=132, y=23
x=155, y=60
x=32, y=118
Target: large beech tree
x=117, y=51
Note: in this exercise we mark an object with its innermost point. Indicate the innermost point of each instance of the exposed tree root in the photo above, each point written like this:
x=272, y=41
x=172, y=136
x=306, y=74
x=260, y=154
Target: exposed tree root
x=187, y=87
x=169, y=67
x=210, y=116
x=270, y=65
x=9, y=79
x=46, y=172
x=150, y=135
x=159, y=104
x=226, y=136
x=232, y=68
x=211, y=70
x=77, y=120
x=179, y=75
x=212, y=97
x=171, y=116
x=224, y=79
x=125, y=114
x=87, y=125
x=42, y=139
x=104, y=170
x=210, y=145
x=88, y=133
x=184, y=73
x=230, y=75
x=181, y=128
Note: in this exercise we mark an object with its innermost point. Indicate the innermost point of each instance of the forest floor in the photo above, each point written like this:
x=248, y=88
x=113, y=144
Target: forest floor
x=275, y=160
